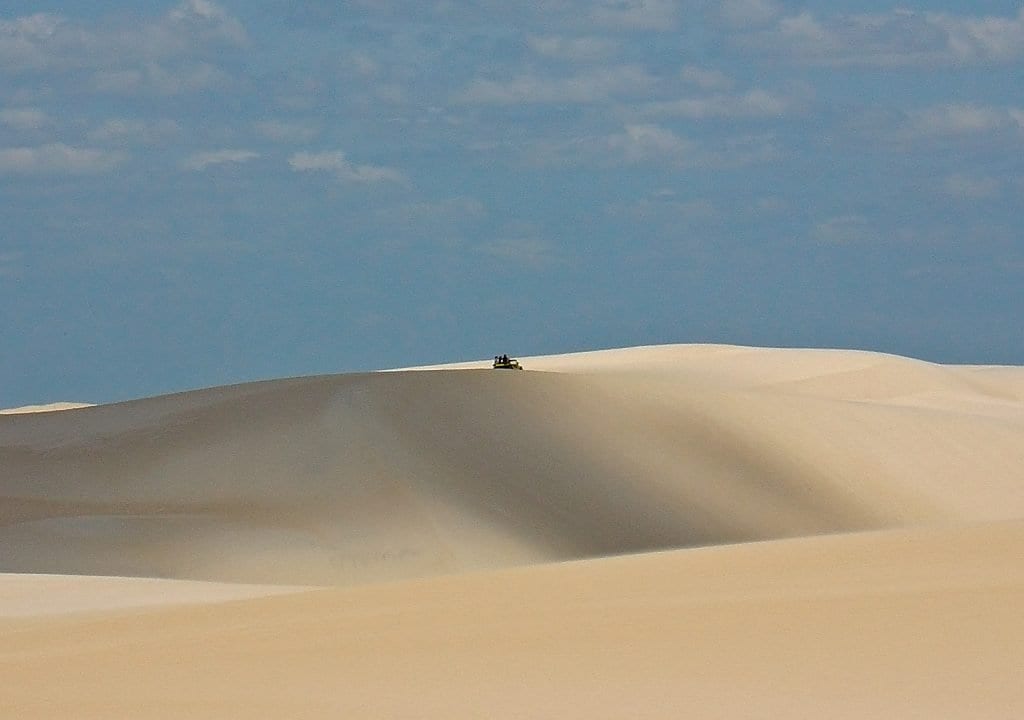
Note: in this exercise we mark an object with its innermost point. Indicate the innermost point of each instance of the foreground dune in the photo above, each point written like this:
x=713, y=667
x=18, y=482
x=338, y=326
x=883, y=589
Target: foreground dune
x=899, y=624
x=37, y=595
x=866, y=514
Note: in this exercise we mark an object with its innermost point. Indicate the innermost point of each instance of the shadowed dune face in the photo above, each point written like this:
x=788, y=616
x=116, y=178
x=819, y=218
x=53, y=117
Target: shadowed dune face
x=352, y=478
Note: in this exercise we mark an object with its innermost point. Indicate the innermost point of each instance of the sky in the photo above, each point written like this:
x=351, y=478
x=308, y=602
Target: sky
x=196, y=193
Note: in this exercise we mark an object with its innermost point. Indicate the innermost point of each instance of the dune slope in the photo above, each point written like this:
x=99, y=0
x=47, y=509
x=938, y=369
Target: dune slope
x=907, y=624
x=369, y=477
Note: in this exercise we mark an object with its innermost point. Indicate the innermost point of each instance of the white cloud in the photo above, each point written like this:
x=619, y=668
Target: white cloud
x=983, y=38
x=769, y=204
x=805, y=35
x=653, y=144
x=665, y=210
x=362, y=65
x=971, y=187
x=640, y=143
x=636, y=14
x=156, y=78
x=335, y=162
x=575, y=49
x=844, y=230
x=595, y=86
x=530, y=252
x=963, y=119
x=204, y=18
x=53, y=42
x=704, y=78
x=895, y=38
x=56, y=159
x=740, y=151
x=286, y=131
x=191, y=27
x=946, y=125
x=23, y=41
x=754, y=103
x=118, y=81
x=746, y=13
x=128, y=130
x=24, y=118
x=203, y=160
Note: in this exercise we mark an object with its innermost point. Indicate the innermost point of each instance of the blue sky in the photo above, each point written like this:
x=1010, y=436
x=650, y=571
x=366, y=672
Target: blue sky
x=196, y=193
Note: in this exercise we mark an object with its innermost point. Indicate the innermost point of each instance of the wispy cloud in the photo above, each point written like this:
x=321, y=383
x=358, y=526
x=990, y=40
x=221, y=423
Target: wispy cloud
x=895, y=38
x=574, y=49
x=705, y=78
x=205, y=19
x=24, y=118
x=529, y=252
x=754, y=103
x=643, y=143
x=844, y=230
x=123, y=131
x=963, y=119
x=947, y=125
x=26, y=42
x=982, y=39
x=654, y=144
x=336, y=163
x=636, y=14
x=57, y=159
x=665, y=209
x=203, y=160
x=52, y=42
x=971, y=187
x=286, y=131
x=161, y=80
x=747, y=13
x=590, y=87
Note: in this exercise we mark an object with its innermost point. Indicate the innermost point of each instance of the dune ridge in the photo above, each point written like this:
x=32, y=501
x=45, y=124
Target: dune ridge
x=381, y=476
x=49, y=407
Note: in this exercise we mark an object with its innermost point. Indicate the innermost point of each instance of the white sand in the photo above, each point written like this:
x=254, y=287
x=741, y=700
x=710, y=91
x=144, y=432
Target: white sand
x=388, y=477
x=51, y=407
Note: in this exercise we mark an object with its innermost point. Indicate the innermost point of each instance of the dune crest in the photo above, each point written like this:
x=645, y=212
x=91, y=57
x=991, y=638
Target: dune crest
x=50, y=407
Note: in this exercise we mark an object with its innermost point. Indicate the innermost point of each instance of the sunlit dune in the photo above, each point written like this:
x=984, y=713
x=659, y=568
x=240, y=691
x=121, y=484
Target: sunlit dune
x=50, y=407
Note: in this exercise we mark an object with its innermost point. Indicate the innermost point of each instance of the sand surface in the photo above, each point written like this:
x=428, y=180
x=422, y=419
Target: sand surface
x=50, y=407
x=709, y=530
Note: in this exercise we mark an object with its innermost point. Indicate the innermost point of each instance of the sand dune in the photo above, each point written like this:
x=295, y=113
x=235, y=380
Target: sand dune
x=355, y=478
x=865, y=514
x=50, y=407
x=35, y=595
x=900, y=624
